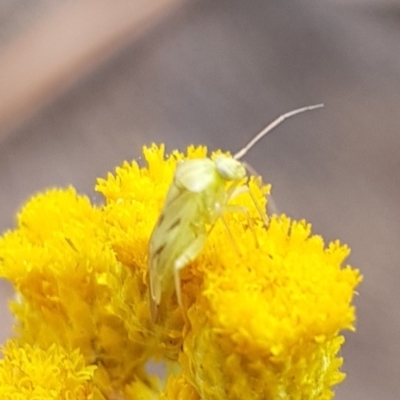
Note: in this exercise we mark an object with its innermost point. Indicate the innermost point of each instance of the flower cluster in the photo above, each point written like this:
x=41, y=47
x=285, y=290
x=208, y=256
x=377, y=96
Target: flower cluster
x=261, y=317
x=29, y=372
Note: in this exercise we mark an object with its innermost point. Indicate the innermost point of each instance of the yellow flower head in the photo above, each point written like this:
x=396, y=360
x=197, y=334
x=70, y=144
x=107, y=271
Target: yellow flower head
x=27, y=372
x=262, y=311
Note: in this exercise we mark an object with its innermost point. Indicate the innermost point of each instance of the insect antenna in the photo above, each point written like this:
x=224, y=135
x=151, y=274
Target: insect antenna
x=271, y=126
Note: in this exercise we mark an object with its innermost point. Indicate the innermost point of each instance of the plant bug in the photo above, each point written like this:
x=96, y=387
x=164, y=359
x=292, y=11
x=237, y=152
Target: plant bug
x=196, y=199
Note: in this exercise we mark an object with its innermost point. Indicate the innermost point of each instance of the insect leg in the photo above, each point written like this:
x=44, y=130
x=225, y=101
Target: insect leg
x=153, y=305
x=227, y=226
x=271, y=203
x=242, y=209
x=236, y=191
x=190, y=253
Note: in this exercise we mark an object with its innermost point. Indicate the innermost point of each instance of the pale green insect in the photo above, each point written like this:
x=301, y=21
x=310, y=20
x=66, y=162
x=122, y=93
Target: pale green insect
x=197, y=198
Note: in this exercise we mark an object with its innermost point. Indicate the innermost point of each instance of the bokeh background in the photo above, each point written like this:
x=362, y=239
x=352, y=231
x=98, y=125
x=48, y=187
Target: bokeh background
x=85, y=84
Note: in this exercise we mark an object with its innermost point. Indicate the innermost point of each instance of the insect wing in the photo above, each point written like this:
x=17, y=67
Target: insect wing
x=180, y=224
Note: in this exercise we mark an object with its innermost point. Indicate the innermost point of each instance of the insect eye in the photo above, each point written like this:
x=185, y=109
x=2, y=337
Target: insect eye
x=229, y=168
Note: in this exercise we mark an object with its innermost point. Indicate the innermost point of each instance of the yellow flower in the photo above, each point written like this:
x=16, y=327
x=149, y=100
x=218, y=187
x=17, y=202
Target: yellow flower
x=28, y=372
x=266, y=325
x=261, y=317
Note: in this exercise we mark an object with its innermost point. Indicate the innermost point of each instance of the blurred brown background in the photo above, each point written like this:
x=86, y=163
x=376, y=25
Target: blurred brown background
x=83, y=85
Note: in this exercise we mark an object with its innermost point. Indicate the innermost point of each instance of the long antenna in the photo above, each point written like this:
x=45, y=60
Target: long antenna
x=270, y=127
